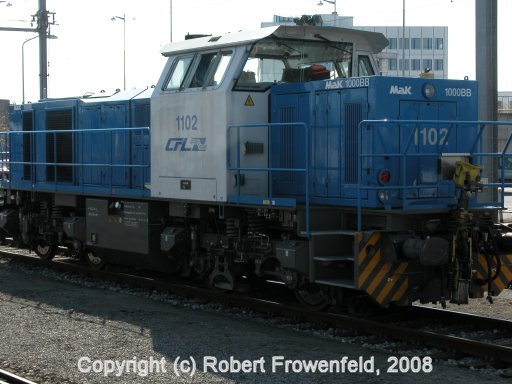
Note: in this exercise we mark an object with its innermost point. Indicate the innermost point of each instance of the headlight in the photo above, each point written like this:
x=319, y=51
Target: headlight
x=383, y=196
x=429, y=91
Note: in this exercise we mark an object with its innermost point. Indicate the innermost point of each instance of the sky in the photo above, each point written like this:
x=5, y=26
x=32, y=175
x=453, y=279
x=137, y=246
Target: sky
x=87, y=56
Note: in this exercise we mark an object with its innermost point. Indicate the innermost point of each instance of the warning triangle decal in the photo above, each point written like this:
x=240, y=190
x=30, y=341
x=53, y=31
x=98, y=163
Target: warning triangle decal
x=249, y=102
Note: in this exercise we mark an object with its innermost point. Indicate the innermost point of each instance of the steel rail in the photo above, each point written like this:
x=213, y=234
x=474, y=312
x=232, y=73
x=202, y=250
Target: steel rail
x=13, y=379
x=340, y=321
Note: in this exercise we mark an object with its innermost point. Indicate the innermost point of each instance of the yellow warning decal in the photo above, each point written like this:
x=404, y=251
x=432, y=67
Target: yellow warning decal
x=249, y=102
x=385, y=281
x=501, y=271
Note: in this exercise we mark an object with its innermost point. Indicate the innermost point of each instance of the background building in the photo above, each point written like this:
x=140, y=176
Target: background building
x=504, y=114
x=425, y=47
x=505, y=102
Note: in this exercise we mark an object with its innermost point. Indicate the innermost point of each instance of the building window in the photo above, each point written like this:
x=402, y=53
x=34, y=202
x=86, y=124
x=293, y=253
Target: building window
x=406, y=43
x=404, y=64
x=427, y=63
x=416, y=64
x=392, y=65
x=439, y=43
x=427, y=43
x=392, y=43
x=416, y=43
x=439, y=65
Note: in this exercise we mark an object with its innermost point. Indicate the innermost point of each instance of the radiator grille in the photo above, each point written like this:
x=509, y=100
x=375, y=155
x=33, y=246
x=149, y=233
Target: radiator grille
x=287, y=139
x=353, y=116
x=59, y=146
x=28, y=126
x=141, y=116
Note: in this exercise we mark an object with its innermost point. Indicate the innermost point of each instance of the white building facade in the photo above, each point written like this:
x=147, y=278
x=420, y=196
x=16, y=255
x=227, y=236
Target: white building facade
x=411, y=51
x=505, y=102
x=414, y=50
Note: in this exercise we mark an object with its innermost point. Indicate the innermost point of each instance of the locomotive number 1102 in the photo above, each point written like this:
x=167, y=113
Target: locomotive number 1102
x=186, y=122
x=430, y=136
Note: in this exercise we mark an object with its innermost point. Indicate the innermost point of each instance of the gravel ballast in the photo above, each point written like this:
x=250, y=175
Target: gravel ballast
x=53, y=324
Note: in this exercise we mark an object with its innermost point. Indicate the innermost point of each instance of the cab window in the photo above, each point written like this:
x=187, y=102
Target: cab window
x=210, y=69
x=221, y=69
x=179, y=72
x=365, y=66
x=205, y=62
x=274, y=60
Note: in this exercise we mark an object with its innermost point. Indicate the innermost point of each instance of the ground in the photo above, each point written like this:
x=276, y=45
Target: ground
x=54, y=326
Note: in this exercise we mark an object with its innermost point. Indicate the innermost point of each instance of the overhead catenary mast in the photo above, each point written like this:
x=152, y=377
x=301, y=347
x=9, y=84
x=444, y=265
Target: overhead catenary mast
x=41, y=18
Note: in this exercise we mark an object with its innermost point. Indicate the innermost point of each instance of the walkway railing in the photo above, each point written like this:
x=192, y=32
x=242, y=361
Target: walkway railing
x=269, y=200
x=136, y=137
x=474, y=151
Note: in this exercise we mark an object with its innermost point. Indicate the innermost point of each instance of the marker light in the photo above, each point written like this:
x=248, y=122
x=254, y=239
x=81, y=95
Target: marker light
x=384, y=176
x=429, y=91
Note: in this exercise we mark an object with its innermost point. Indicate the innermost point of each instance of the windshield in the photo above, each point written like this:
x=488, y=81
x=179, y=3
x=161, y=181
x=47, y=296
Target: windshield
x=279, y=60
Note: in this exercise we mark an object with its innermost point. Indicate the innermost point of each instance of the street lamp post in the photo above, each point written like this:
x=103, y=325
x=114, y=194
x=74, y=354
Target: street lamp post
x=170, y=19
x=23, y=63
x=23, y=68
x=330, y=2
x=44, y=19
x=123, y=18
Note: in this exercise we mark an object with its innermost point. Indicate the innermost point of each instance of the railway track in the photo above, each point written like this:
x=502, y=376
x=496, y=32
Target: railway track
x=461, y=333
x=10, y=378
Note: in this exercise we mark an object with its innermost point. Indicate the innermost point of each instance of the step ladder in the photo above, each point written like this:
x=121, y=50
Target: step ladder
x=333, y=257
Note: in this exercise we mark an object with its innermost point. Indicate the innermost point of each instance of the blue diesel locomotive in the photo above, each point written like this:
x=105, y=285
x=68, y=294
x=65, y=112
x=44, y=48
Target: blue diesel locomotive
x=278, y=154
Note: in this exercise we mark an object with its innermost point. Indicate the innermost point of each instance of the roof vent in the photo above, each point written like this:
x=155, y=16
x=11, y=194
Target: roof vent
x=189, y=36
x=214, y=39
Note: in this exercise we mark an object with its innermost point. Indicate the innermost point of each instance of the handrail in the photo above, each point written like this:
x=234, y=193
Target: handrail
x=403, y=153
x=270, y=169
x=79, y=130
x=145, y=163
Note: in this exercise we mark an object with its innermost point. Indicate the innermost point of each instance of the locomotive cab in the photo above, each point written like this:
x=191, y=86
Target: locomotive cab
x=214, y=84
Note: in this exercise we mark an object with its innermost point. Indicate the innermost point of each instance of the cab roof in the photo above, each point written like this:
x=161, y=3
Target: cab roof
x=371, y=41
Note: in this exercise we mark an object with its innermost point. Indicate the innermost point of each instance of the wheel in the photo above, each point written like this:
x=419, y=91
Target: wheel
x=94, y=260
x=313, y=297
x=223, y=282
x=45, y=250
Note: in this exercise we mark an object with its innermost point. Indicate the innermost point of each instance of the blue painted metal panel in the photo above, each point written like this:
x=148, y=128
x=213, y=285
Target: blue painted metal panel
x=116, y=116
x=287, y=149
x=354, y=110
x=344, y=164
x=140, y=143
x=334, y=148
x=15, y=146
x=80, y=147
x=94, y=146
x=319, y=147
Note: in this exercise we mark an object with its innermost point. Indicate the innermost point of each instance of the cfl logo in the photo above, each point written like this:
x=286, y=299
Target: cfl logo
x=185, y=144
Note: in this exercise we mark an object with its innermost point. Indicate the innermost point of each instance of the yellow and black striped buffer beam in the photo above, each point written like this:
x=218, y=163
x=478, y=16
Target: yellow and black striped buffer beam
x=501, y=271
x=385, y=281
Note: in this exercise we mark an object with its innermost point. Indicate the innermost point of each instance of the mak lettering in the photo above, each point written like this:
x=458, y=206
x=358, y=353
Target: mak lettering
x=396, y=90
